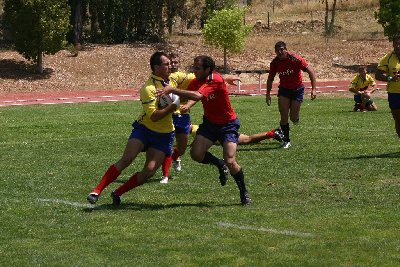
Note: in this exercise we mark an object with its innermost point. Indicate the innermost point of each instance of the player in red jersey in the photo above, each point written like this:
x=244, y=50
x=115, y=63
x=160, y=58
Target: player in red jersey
x=220, y=122
x=289, y=67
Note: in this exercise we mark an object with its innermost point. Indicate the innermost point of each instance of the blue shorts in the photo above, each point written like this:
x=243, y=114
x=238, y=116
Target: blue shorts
x=220, y=132
x=181, y=123
x=358, y=100
x=296, y=94
x=394, y=100
x=149, y=138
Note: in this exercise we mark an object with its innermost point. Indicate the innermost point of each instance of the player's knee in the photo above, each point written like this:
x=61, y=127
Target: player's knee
x=196, y=156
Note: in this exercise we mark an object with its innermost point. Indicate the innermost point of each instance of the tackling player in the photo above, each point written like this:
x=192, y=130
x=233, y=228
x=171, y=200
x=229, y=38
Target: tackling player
x=219, y=122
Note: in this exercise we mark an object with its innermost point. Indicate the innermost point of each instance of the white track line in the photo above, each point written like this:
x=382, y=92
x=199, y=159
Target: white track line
x=269, y=230
x=66, y=202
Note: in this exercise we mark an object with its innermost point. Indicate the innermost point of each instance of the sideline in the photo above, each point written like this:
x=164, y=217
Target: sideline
x=97, y=96
x=269, y=230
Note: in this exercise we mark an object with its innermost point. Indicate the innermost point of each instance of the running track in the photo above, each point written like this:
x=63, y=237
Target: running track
x=51, y=98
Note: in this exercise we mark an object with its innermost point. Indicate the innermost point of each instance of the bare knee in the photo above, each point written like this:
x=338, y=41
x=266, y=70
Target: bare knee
x=196, y=156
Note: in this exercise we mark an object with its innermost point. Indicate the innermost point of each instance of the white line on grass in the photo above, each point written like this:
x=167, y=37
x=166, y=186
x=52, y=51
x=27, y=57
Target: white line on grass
x=66, y=202
x=262, y=229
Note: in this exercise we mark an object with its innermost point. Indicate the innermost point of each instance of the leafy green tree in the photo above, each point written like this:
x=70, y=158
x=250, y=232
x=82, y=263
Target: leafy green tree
x=37, y=27
x=388, y=16
x=225, y=30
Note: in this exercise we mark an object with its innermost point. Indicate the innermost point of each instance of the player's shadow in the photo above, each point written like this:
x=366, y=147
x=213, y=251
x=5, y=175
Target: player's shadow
x=143, y=206
x=257, y=147
x=380, y=156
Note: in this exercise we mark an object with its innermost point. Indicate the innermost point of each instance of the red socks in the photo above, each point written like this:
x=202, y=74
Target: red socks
x=132, y=183
x=270, y=134
x=166, y=165
x=110, y=176
x=175, y=154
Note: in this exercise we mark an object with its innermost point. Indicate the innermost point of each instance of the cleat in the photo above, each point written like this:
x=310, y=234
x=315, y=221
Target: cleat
x=245, y=198
x=278, y=135
x=116, y=199
x=286, y=145
x=92, y=198
x=177, y=164
x=164, y=180
x=223, y=174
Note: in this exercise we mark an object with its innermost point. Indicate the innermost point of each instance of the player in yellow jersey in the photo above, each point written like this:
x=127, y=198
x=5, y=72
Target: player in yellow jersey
x=153, y=132
x=182, y=121
x=388, y=71
x=359, y=87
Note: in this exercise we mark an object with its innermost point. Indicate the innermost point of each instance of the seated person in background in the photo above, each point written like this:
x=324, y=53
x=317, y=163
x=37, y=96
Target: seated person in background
x=362, y=96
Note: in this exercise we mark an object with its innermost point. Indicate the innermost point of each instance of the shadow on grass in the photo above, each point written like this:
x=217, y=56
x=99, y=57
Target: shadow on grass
x=380, y=156
x=257, y=148
x=21, y=70
x=142, y=206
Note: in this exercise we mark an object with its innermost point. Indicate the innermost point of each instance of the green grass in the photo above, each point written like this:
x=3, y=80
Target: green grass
x=332, y=199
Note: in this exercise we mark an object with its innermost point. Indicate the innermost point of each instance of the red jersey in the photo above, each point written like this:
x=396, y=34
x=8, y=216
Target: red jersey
x=216, y=104
x=289, y=70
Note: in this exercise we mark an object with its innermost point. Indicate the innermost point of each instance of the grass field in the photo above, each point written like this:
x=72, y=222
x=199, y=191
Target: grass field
x=332, y=199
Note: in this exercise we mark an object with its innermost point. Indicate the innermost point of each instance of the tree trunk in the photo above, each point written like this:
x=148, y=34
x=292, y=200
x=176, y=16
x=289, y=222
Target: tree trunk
x=326, y=16
x=77, y=22
x=332, y=24
x=225, y=64
x=39, y=63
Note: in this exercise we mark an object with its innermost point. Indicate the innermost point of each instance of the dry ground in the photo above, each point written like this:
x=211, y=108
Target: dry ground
x=126, y=65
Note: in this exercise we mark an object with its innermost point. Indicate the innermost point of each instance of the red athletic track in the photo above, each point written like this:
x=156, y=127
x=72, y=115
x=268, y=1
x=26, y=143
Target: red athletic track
x=50, y=98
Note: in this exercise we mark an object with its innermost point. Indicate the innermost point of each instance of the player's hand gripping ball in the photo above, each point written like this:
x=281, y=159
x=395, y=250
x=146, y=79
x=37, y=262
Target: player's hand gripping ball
x=168, y=99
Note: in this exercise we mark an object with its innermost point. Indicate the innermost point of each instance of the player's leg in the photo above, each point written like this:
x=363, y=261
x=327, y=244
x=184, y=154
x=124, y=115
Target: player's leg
x=158, y=146
x=371, y=105
x=199, y=152
x=396, y=117
x=258, y=137
x=133, y=148
x=154, y=159
x=294, y=113
x=284, y=104
x=236, y=171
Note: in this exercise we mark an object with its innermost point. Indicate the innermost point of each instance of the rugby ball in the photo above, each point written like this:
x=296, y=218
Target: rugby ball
x=167, y=99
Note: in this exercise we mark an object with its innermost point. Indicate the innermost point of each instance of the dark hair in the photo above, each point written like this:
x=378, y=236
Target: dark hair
x=155, y=59
x=206, y=62
x=280, y=44
x=396, y=37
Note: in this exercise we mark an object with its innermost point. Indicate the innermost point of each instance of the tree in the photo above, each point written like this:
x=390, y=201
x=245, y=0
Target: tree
x=388, y=16
x=225, y=30
x=329, y=26
x=37, y=27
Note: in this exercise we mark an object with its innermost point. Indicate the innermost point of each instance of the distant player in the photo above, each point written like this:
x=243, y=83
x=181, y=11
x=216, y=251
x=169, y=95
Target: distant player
x=289, y=67
x=359, y=87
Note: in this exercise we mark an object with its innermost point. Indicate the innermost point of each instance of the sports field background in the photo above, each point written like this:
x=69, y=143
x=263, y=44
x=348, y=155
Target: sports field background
x=332, y=199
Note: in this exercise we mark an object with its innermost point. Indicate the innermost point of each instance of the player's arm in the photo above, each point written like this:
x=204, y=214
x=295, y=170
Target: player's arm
x=313, y=79
x=232, y=79
x=192, y=95
x=270, y=80
x=186, y=107
x=158, y=114
x=383, y=76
